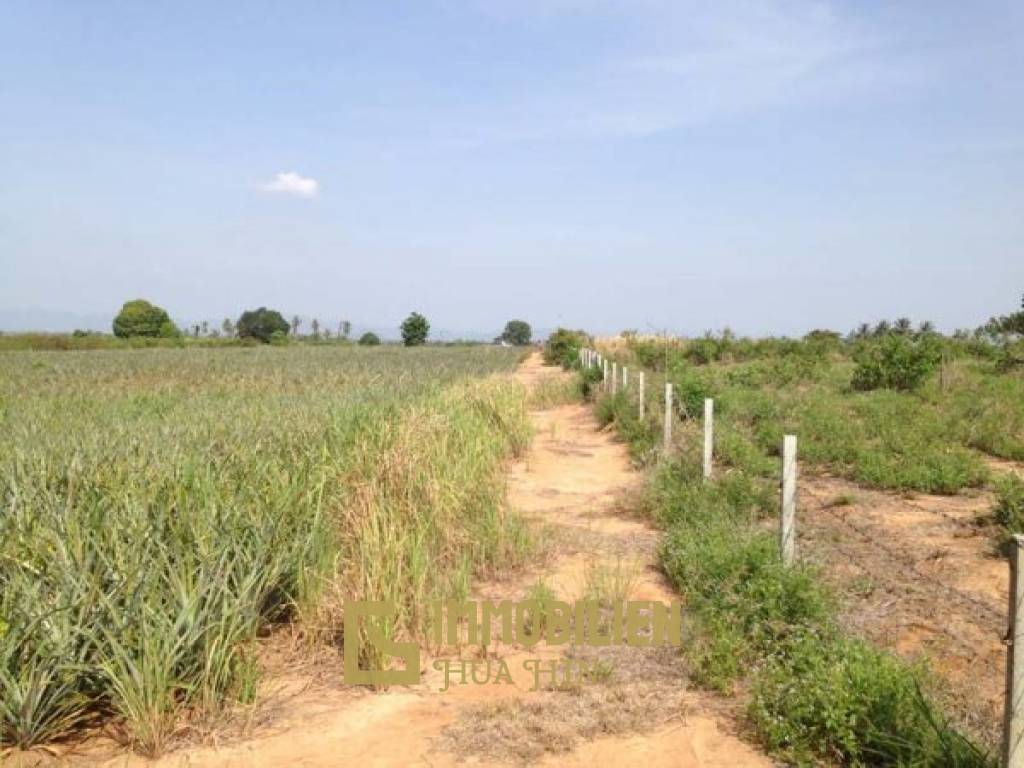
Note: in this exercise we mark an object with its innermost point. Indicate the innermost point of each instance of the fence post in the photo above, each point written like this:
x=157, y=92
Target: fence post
x=667, y=437
x=1013, y=716
x=709, y=435
x=642, y=403
x=787, y=527
x=615, y=375
x=625, y=378
x=604, y=374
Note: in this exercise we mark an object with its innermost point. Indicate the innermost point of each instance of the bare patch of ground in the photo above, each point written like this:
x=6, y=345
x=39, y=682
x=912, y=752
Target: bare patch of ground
x=921, y=576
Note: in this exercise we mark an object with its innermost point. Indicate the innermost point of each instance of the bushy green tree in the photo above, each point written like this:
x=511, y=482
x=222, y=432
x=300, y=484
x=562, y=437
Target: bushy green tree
x=415, y=330
x=140, y=318
x=517, y=332
x=563, y=345
x=895, y=361
x=369, y=339
x=263, y=324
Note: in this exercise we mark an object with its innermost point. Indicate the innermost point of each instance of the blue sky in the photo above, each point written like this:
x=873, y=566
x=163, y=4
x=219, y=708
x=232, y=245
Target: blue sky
x=770, y=165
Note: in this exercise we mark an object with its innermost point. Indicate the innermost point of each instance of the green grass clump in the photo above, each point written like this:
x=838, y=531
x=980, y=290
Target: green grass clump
x=621, y=409
x=824, y=696
x=551, y=391
x=1008, y=510
x=159, y=507
x=987, y=412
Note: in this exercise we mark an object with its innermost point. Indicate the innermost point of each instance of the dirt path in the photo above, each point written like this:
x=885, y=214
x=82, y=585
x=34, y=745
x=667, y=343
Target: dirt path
x=570, y=485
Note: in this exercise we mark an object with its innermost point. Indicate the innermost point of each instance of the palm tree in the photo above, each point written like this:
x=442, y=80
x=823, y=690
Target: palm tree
x=862, y=331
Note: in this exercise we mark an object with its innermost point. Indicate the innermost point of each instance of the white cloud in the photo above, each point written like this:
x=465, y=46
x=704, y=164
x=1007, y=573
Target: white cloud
x=291, y=183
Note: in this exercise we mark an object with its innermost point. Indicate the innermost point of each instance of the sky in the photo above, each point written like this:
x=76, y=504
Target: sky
x=772, y=166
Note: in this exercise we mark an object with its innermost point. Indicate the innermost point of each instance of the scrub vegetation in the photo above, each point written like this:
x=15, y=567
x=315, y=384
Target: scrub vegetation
x=892, y=412
x=892, y=409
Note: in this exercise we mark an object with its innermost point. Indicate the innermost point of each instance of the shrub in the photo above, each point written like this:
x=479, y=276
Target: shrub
x=590, y=383
x=517, y=332
x=1010, y=357
x=895, y=362
x=653, y=355
x=369, y=339
x=262, y=324
x=140, y=318
x=415, y=330
x=690, y=391
x=562, y=347
x=838, y=698
x=704, y=351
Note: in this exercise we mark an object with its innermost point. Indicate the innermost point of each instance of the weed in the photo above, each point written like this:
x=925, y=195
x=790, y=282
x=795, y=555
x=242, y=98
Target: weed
x=610, y=584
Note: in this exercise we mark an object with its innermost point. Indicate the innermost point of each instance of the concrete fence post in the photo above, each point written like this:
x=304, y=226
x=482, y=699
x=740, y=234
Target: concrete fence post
x=642, y=403
x=625, y=378
x=1013, y=712
x=667, y=436
x=787, y=527
x=615, y=375
x=709, y=435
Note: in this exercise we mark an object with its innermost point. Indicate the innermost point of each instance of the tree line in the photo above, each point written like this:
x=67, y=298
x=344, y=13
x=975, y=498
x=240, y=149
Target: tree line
x=142, y=318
